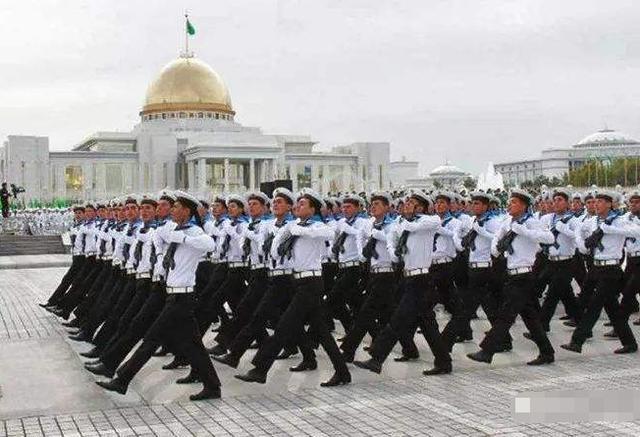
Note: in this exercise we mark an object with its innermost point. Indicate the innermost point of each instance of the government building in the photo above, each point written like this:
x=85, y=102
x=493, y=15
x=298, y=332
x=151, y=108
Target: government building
x=606, y=144
x=188, y=138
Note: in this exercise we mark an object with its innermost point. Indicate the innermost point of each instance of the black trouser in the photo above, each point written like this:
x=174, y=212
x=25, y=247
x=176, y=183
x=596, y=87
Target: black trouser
x=345, y=298
x=272, y=305
x=442, y=276
x=416, y=303
x=461, y=270
x=578, y=269
x=231, y=291
x=110, y=326
x=206, y=314
x=117, y=351
x=93, y=294
x=77, y=263
x=560, y=275
x=177, y=328
x=203, y=274
x=479, y=292
x=86, y=278
x=111, y=290
x=519, y=298
x=375, y=311
x=303, y=308
x=588, y=286
x=141, y=294
x=258, y=283
x=608, y=283
x=631, y=287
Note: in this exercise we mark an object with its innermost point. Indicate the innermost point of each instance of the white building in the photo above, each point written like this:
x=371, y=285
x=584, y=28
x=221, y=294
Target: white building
x=557, y=161
x=188, y=138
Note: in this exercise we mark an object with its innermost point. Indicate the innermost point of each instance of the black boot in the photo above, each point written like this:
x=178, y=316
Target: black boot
x=541, y=359
x=253, y=375
x=75, y=323
x=408, y=357
x=217, y=350
x=627, y=349
x=287, y=353
x=100, y=369
x=162, y=352
x=438, y=370
x=93, y=353
x=611, y=334
x=80, y=336
x=115, y=384
x=371, y=364
x=481, y=356
x=573, y=347
x=338, y=378
x=227, y=359
x=207, y=393
x=304, y=365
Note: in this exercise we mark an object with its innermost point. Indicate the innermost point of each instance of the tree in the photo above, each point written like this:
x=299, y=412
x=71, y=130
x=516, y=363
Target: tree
x=470, y=183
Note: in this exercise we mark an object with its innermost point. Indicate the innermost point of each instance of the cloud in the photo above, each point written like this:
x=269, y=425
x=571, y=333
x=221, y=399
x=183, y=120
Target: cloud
x=457, y=80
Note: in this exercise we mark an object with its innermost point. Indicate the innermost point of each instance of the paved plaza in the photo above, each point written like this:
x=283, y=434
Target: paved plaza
x=44, y=389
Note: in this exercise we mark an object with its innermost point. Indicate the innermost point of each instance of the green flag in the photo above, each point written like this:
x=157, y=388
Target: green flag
x=190, y=29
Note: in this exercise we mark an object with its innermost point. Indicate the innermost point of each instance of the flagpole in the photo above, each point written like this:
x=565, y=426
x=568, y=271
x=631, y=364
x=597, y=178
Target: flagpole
x=186, y=36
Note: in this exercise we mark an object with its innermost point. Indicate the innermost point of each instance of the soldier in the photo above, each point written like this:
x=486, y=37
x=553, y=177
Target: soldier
x=519, y=239
x=415, y=248
x=608, y=232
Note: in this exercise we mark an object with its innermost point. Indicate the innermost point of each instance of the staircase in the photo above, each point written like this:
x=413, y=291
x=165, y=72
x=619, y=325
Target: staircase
x=31, y=245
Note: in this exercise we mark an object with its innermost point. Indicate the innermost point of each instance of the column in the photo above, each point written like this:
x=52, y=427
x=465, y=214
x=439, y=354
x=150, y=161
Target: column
x=191, y=175
x=202, y=175
x=293, y=173
x=315, y=176
x=252, y=174
x=226, y=175
x=346, y=178
x=325, y=179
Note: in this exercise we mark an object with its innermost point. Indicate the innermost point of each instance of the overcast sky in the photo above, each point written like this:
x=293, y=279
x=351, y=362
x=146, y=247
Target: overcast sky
x=465, y=81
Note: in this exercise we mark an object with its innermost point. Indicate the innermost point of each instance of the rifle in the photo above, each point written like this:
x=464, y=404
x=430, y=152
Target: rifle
x=594, y=241
x=556, y=232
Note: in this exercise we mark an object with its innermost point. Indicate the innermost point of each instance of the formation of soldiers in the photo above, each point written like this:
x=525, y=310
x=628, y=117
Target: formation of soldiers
x=37, y=221
x=152, y=274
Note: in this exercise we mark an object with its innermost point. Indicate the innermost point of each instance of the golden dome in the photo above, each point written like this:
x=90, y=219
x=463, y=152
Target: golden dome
x=187, y=84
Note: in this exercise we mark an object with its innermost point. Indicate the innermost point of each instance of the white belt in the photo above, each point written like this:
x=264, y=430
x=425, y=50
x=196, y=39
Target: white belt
x=307, y=274
x=560, y=258
x=235, y=265
x=416, y=272
x=258, y=266
x=519, y=271
x=348, y=264
x=633, y=254
x=130, y=271
x=280, y=272
x=381, y=270
x=444, y=260
x=106, y=257
x=88, y=254
x=116, y=262
x=606, y=262
x=144, y=275
x=179, y=290
x=480, y=265
x=215, y=261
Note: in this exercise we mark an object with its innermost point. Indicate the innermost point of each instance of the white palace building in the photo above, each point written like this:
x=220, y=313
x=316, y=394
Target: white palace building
x=606, y=144
x=188, y=138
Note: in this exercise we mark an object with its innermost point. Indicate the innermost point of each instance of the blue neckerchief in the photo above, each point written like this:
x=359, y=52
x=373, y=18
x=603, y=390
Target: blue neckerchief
x=207, y=217
x=192, y=222
x=338, y=216
x=386, y=220
x=613, y=214
x=526, y=216
x=317, y=218
x=136, y=223
x=267, y=216
x=393, y=215
x=151, y=224
x=456, y=214
x=352, y=220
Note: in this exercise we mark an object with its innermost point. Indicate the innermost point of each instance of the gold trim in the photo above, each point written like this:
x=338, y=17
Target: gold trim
x=178, y=107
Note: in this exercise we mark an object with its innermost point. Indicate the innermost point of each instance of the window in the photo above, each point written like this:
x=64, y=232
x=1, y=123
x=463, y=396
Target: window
x=217, y=116
x=304, y=178
x=182, y=115
x=73, y=180
x=200, y=115
x=164, y=116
